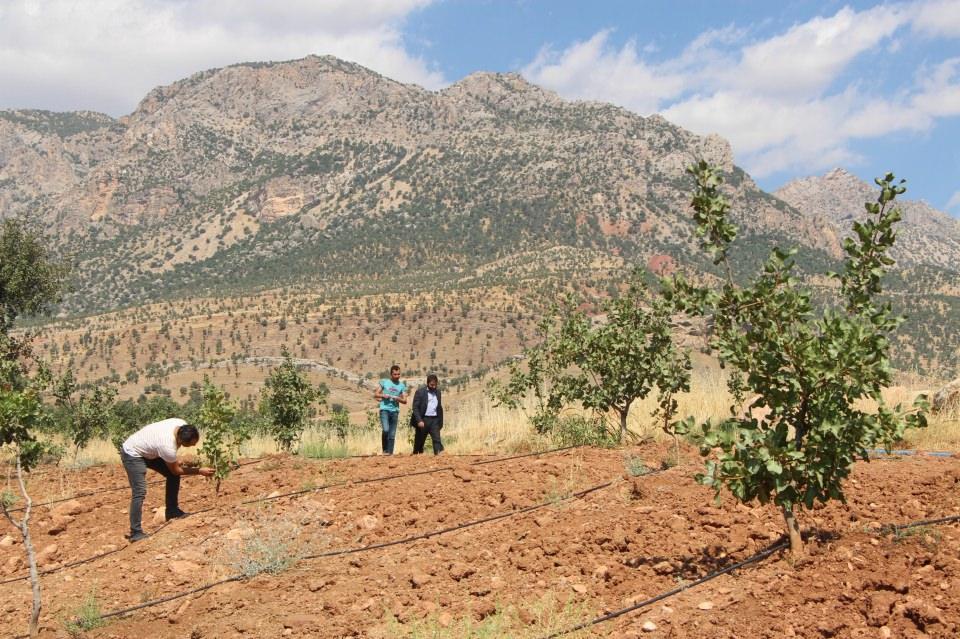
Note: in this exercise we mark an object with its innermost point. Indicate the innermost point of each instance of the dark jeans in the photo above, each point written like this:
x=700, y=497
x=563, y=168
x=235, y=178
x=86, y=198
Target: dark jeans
x=388, y=423
x=431, y=426
x=136, y=468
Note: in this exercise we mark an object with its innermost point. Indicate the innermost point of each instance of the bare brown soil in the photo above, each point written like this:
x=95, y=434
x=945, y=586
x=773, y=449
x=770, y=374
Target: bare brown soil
x=606, y=550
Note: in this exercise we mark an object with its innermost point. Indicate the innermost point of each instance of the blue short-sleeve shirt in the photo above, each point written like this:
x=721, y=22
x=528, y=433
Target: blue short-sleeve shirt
x=388, y=387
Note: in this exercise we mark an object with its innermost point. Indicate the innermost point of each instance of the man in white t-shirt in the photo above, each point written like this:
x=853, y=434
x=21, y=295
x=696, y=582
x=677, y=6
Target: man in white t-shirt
x=155, y=446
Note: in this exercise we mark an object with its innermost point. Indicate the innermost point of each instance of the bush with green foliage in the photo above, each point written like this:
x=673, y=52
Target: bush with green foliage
x=805, y=372
x=223, y=434
x=604, y=367
x=30, y=281
x=87, y=413
x=286, y=400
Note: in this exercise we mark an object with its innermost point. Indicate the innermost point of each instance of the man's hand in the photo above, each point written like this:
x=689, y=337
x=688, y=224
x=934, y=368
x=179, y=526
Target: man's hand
x=206, y=472
x=420, y=424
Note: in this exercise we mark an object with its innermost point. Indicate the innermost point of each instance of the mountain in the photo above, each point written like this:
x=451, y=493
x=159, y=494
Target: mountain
x=926, y=235
x=267, y=174
x=321, y=175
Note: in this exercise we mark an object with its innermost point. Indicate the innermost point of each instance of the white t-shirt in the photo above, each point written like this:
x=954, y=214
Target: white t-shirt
x=155, y=440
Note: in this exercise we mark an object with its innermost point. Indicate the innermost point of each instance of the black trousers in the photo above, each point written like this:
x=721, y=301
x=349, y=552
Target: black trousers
x=136, y=468
x=431, y=426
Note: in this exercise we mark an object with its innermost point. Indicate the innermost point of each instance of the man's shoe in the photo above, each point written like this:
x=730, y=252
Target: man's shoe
x=137, y=536
x=177, y=514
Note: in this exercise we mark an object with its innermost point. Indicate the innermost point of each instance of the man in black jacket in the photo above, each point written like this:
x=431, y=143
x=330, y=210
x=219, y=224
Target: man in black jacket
x=427, y=416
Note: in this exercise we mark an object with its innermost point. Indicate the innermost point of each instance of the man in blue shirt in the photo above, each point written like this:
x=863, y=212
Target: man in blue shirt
x=391, y=393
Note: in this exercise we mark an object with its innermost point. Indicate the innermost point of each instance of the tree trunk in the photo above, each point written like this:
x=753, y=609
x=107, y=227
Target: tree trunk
x=623, y=426
x=793, y=530
x=24, y=525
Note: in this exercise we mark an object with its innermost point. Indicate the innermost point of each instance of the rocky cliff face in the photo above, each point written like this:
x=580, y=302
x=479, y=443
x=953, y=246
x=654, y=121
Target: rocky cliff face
x=926, y=235
x=263, y=174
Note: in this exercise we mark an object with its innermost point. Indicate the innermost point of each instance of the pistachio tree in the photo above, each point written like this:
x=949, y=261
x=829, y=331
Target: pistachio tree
x=30, y=282
x=604, y=366
x=223, y=434
x=87, y=412
x=799, y=375
x=286, y=400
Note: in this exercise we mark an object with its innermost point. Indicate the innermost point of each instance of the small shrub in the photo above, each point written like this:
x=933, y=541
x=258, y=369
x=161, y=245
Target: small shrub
x=636, y=467
x=577, y=430
x=86, y=617
x=928, y=536
x=274, y=547
x=323, y=450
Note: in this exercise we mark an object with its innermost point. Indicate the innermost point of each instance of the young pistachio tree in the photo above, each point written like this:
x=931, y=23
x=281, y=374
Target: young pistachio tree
x=87, y=413
x=21, y=415
x=223, y=434
x=605, y=367
x=286, y=400
x=30, y=282
x=805, y=370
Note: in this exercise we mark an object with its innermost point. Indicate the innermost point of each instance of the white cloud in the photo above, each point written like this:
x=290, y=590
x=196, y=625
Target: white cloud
x=787, y=102
x=938, y=18
x=807, y=58
x=591, y=70
x=106, y=54
x=954, y=201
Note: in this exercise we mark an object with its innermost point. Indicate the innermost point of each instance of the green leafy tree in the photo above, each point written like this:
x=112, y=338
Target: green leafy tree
x=605, y=367
x=30, y=279
x=132, y=415
x=29, y=283
x=286, y=401
x=339, y=424
x=805, y=371
x=87, y=413
x=223, y=434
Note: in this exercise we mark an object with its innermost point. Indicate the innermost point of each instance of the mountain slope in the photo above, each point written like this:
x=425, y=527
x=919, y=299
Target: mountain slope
x=258, y=173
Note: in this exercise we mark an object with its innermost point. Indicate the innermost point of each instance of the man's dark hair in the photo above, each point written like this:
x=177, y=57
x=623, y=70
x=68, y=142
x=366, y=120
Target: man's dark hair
x=187, y=434
x=432, y=378
x=394, y=368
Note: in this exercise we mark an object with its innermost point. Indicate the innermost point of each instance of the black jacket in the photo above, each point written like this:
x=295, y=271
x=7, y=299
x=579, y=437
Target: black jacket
x=420, y=406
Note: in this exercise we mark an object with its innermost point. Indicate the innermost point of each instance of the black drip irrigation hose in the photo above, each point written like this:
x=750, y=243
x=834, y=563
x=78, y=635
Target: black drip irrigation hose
x=763, y=554
x=350, y=551
x=443, y=531
x=109, y=490
x=265, y=499
x=543, y=452
x=893, y=528
x=79, y=562
x=898, y=452
x=161, y=600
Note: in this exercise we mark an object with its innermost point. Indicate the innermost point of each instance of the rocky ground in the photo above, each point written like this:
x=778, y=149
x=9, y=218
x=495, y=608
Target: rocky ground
x=524, y=575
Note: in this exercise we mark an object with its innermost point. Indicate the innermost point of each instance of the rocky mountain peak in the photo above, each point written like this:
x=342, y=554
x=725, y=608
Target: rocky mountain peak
x=502, y=89
x=926, y=235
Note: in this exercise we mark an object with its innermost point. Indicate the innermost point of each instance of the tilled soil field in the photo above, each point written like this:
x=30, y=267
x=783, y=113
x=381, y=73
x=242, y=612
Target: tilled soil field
x=482, y=546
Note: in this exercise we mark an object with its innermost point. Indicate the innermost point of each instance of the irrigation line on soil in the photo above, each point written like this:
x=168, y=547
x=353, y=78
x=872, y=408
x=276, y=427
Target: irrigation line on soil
x=161, y=600
x=80, y=562
x=349, y=551
x=91, y=493
x=763, y=554
x=265, y=499
x=109, y=490
x=442, y=531
x=543, y=452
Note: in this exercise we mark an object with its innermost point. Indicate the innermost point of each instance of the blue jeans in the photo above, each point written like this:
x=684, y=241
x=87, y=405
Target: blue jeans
x=388, y=421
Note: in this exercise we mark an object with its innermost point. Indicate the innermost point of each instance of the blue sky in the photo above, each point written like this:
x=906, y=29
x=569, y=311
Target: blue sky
x=797, y=87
